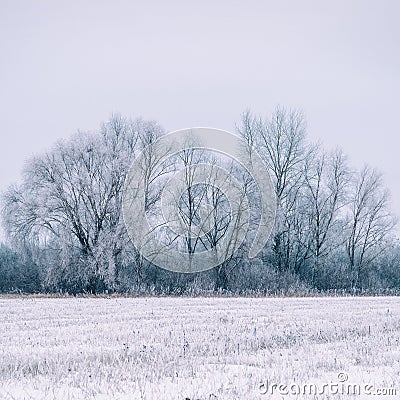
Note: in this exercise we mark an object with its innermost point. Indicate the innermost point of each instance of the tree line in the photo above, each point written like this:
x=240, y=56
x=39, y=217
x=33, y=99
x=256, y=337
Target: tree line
x=334, y=229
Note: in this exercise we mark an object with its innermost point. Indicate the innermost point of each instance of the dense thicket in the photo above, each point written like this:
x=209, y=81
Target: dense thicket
x=333, y=231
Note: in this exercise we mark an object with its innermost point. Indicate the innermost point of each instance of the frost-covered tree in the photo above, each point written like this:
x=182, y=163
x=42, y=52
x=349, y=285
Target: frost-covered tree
x=281, y=142
x=370, y=222
x=326, y=178
x=70, y=201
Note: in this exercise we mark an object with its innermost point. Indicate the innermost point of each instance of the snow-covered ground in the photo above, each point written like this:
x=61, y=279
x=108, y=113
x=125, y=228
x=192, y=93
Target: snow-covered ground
x=199, y=348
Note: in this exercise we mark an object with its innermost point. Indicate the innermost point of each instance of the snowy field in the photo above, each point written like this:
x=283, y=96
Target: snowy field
x=199, y=348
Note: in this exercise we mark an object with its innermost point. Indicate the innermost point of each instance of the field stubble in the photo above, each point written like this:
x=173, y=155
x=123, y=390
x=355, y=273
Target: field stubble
x=194, y=348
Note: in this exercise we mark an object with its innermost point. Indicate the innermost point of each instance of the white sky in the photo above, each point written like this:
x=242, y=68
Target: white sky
x=67, y=65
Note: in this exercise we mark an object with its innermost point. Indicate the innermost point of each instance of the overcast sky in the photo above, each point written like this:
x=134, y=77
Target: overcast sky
x=67, y=65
